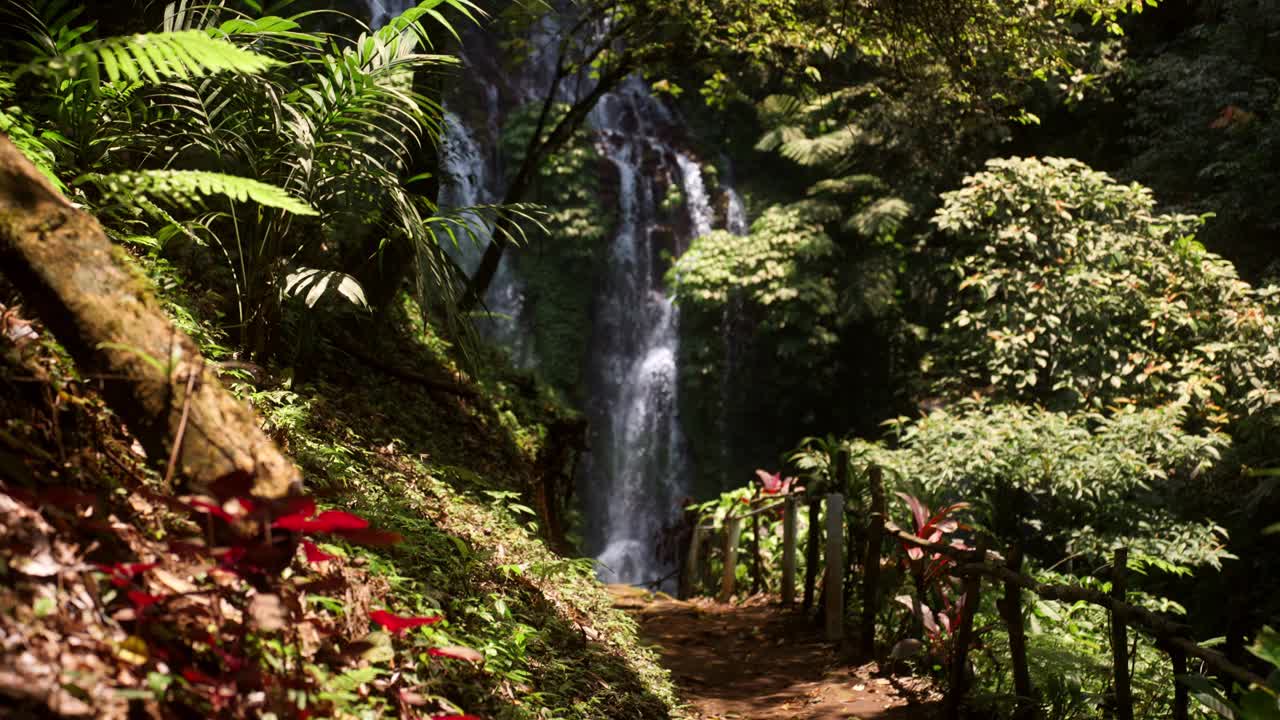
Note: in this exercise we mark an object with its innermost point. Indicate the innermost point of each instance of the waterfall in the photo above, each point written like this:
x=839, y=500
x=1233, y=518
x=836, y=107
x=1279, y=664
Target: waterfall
x=467, y=180
x=695, y=195
x=638, y=469
x=637, y=461
x=735, y=214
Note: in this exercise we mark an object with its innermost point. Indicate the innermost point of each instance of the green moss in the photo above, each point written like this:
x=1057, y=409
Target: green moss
x=559, y=267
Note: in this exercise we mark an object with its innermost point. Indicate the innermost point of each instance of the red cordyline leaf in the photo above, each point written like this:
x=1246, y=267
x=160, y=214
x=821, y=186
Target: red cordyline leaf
x=141, y=601
x=314, y=553
x=330, y=521
x=397, y=624
x=457, y=652
x=231, y=556
x=300, y=505
x=122, y=573
x=919, y=511
x=337, y=521
x=455, y=717
x=770, y=484
x=198, y=677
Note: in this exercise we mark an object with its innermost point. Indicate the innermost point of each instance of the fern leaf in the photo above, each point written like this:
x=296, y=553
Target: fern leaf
x=18, y=128
x=185, y=188
x=778, y=137
x=154, y=57
x=826, y=149
x=847, y=185
x=881, y=218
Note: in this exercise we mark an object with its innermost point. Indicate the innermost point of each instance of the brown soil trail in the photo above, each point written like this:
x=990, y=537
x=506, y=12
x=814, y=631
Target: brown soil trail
x=756, y=661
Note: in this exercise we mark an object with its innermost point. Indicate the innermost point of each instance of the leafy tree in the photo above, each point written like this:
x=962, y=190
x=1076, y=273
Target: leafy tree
x=1070, y=484
x=1074, y=291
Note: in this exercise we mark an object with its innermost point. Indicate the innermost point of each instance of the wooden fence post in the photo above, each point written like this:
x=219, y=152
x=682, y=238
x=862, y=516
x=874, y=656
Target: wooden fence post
x=844, y=477
x=1181, y=700
x=1011, y=610
x=835, y=567
x=757, y=562
x=693, y=564
x=871, y=564
x=959, y=670
x=1120, y=638
x=789, y=551
x=811, y=552
x=732, y=533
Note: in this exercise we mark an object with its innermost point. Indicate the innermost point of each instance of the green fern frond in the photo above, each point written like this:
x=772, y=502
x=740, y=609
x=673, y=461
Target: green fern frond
x=154, y=57
x=778, y=109
x=826, y=149
x=185, y=188
x=881, y=218
x=20, y=131
x=847, y=185
x=778, y=137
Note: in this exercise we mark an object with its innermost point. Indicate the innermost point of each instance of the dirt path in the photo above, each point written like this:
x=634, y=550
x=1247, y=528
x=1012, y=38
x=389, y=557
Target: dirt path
x=757, y=662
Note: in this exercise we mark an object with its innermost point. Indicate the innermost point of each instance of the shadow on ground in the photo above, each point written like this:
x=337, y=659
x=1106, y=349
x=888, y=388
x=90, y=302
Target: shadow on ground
x=758, y=662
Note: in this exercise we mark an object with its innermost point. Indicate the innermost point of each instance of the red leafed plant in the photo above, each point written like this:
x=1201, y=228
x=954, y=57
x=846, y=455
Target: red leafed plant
x=314, y=553
x=252, y=541
x=774, y=483
x=122, y=574
x=932, y=528
x=928, y=570
x=330, y=521
x=397, y=624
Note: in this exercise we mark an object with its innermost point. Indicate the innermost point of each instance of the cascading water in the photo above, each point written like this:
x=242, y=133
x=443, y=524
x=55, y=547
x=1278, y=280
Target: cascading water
x=468, y=181
x=638, y=469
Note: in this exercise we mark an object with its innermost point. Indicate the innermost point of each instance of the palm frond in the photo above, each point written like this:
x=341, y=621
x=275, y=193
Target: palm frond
x=153, y=57
x=829, y=149
x=779, y=109
x=410, y=21
x=313, y=284
x=881, y=218
x=779, y=136
x=847, y=185
x=186, y=188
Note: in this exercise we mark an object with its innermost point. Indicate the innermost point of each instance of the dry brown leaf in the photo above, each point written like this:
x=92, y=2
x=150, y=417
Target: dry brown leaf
x=172, y=582
x=267, y=612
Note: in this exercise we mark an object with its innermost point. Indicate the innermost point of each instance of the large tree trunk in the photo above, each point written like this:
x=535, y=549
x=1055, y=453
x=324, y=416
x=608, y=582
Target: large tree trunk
x=104, y=313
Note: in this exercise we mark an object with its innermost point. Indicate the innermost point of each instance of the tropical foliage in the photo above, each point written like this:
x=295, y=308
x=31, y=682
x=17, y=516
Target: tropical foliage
x=217, y=138
x=1074, y=290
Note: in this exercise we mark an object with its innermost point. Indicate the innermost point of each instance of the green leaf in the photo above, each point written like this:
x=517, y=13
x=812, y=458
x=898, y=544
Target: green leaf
x=184, y=187
x=153, y=56
x=1210, y=695
x=1259, y=704
x=1267, y=646
x=313, y=284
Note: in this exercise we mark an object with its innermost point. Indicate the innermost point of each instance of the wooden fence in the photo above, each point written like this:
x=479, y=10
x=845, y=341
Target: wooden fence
x=974, y=567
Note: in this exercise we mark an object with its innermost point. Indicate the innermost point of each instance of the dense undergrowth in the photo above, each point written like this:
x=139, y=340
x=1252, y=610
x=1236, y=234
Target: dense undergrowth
x=448, y=473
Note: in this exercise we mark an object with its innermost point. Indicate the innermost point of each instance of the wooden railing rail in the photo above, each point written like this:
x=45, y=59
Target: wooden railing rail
x=971, y=566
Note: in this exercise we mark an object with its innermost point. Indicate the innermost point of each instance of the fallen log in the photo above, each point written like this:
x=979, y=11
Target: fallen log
x=103, y=311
